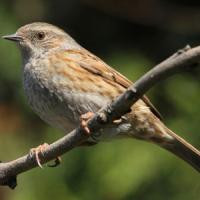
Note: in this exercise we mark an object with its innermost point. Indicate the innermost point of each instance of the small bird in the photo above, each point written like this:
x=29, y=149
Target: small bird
x=63, y=81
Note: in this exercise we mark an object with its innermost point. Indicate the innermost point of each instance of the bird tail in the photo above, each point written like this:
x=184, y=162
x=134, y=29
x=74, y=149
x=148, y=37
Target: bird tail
x=183, y=150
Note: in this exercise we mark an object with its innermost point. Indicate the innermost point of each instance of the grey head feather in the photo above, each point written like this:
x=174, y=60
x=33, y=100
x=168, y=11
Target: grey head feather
x=56, y=38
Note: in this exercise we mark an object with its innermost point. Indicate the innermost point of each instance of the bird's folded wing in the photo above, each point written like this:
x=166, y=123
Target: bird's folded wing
x=96, y=66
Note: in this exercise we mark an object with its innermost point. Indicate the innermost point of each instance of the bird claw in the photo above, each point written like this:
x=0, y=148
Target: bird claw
x=57, y=162
x=84, y=121
x=117, y=121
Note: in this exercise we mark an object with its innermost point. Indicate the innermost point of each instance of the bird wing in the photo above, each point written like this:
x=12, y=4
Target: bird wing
x=96, y=66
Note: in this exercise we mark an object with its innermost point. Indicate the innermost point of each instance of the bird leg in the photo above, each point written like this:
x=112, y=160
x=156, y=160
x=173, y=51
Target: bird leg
x=84, y=121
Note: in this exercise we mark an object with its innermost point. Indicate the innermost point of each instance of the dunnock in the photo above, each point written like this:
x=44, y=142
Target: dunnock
x=62, y=81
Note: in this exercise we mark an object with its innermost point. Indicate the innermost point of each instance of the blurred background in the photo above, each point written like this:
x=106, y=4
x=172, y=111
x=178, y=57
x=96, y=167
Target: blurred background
x=132, y=36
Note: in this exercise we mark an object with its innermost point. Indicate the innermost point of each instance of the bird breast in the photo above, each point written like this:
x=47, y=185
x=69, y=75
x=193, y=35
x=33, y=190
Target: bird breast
x=55, y=98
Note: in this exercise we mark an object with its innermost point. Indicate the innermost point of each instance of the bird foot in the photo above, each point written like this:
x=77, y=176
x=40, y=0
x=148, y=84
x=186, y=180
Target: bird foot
x=84, y=121
x=40, y=150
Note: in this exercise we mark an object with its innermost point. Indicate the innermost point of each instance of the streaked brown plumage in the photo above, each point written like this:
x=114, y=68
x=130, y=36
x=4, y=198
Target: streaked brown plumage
x=62, y=80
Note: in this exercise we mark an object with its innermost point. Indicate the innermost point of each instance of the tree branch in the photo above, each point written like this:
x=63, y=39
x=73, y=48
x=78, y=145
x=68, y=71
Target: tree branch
x=180, y=61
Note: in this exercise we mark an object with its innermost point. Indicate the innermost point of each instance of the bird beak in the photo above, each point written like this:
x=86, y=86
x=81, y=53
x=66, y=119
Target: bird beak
x=13, y=37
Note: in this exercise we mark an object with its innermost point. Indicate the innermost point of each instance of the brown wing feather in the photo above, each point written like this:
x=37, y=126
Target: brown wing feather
x=96, y=66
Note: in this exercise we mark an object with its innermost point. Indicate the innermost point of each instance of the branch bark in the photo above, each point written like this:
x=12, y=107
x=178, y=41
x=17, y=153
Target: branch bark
x=178, y=62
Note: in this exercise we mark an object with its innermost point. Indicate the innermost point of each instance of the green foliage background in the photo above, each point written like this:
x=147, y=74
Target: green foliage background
x=125, y=169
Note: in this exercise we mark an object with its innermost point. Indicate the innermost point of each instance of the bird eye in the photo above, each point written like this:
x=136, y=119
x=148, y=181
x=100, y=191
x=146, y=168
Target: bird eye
x=40, y=35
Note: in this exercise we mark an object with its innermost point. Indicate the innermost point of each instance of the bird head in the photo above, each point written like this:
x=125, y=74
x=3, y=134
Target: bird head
x=38, y=38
